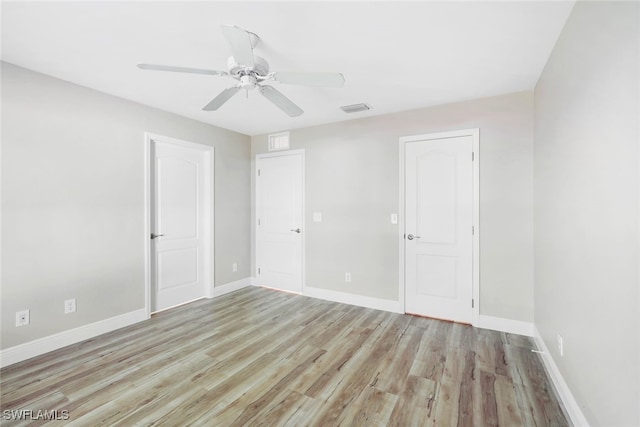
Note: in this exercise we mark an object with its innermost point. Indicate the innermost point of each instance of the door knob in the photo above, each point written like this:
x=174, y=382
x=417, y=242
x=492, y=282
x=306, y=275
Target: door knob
x=411, y=237
x=153, y=235
x=297, y=230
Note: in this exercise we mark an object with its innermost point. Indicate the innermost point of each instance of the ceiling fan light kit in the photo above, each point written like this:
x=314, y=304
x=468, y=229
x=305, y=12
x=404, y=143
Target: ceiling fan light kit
x=251, y=72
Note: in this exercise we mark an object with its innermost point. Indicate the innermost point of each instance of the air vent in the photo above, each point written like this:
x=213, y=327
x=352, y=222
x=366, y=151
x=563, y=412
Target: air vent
x=355, y=108
x=279, y=141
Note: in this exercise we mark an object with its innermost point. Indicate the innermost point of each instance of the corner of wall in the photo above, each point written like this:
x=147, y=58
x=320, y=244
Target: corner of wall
x=510, y=326
x=564, y=392
x=232, y=286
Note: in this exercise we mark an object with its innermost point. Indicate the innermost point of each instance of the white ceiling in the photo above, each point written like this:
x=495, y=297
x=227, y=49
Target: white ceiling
x=395, y=56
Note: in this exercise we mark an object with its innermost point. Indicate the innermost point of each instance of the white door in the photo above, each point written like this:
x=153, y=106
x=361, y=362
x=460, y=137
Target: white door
x=179, y=224
x=438, y=228
x=279, y=208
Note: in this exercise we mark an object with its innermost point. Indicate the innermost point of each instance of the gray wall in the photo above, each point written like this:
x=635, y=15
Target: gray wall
x=352, y=178
x=586, y=209
x=73, y=201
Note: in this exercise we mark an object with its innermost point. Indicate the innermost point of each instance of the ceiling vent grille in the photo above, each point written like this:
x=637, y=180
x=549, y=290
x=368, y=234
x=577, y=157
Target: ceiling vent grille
x=355, y=108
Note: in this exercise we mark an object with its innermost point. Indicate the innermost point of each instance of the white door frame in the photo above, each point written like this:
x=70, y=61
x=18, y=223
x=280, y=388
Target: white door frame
x=304, y=229
x=475, y=134
x=208, y=232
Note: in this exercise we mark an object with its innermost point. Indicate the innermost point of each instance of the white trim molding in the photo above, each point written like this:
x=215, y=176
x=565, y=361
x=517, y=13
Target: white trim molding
x=505, y=325
x=232, y=286
x=352, y=299
x=562, y=388
x=44, y=345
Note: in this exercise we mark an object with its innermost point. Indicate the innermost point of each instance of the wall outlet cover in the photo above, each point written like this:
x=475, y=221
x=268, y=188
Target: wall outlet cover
x=22, y=318
x=70, y=306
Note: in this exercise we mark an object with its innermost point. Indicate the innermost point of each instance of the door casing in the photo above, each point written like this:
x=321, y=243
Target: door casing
x=208, y=231
x=475, y=134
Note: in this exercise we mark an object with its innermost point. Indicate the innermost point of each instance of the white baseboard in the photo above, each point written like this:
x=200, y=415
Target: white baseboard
x=40, y=346
x=231, y=286
x=505, y=325
x=352, y=299
x=570, y=403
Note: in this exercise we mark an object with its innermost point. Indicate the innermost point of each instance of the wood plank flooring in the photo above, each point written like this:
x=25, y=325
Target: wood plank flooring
x=262, y=357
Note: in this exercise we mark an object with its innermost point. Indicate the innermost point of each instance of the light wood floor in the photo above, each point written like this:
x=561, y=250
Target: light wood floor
x=262, y=357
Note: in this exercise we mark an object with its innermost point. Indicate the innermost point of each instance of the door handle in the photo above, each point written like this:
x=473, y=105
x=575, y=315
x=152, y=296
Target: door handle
x=154, y=236
x=297, y=230
x=411, y=237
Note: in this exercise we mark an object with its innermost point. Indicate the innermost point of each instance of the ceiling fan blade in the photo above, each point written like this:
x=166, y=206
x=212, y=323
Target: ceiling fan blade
x=280, y=101
x=222, y=97
x=310, y=79
x=180, y=69
x=240, y=41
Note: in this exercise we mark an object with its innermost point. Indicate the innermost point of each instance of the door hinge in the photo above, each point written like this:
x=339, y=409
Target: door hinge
x=258, y=221
x=473, y=303
x=473, y=156
x=258, y=172
x=473, y=229
x=258, y=270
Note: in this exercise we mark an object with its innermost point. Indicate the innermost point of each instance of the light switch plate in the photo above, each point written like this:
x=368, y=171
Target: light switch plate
x=394, y=218
x=317, y=217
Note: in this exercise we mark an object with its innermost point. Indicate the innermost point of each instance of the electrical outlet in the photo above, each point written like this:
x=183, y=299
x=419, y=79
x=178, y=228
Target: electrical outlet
x=70, y=306
x=347, y=277
x=234, y=267
x=317, y=217
x=560, y=345
x=22, y=318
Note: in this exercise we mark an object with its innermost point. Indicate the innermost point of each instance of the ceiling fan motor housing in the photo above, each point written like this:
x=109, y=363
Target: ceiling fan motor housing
x=260, y=67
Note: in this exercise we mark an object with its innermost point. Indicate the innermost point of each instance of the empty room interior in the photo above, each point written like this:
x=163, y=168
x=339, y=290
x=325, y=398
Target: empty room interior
x=320, y=213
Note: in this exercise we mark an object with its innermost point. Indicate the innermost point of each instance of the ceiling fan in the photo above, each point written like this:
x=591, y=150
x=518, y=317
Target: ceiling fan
x=252, y=72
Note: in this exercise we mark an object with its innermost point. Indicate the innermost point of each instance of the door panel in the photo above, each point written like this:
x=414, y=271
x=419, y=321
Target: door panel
x=439, y=219
x=436, y=276
x=178, y=197
x=177, y=268
x=279, y=208
x=278, y=176
x=436, y=197
x=179, y=216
